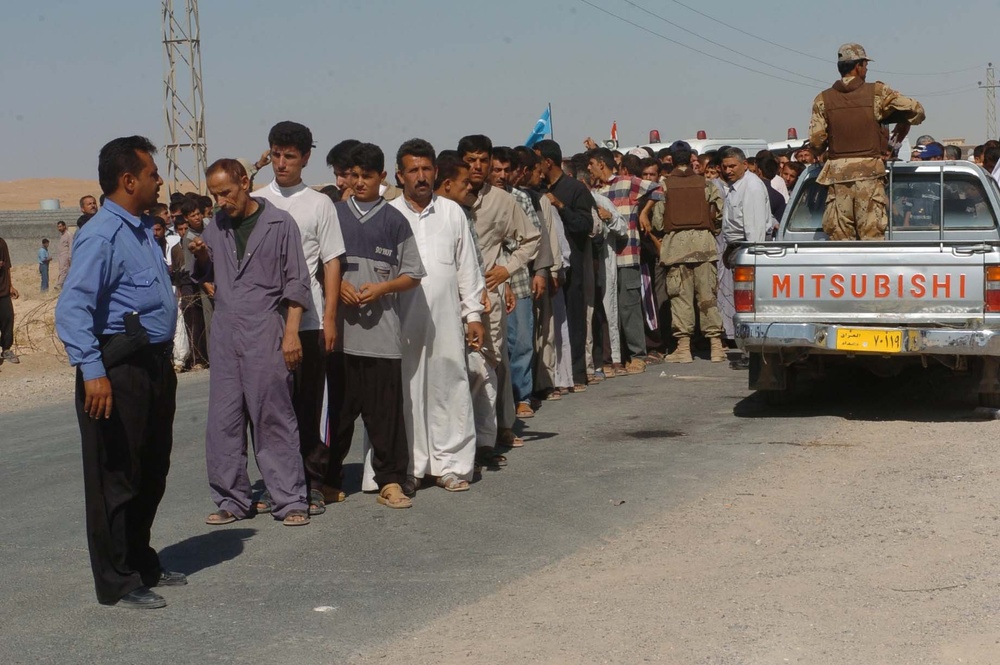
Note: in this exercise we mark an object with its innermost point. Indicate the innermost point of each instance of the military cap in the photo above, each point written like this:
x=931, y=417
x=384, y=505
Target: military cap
x=852, y=52
x=679, y=145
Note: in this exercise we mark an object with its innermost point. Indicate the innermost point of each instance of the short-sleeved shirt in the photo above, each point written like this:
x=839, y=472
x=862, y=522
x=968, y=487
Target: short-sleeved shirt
x=322, y=240
x=379, y=247
x=625, y=193
x=43, y=255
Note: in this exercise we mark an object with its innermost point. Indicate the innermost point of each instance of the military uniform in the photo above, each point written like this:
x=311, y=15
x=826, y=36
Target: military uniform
x=690, y=218
x=855, y=140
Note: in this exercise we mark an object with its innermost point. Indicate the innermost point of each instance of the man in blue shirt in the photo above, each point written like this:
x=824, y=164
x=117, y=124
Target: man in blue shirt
x=116, y=315
x=43, y=265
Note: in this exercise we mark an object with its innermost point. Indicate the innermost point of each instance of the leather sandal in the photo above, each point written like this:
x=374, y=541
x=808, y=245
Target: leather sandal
x=220, y=517
x=392, y=496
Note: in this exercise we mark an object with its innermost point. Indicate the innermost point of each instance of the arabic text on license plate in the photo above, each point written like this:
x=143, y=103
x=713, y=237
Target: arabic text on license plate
x=871, y=340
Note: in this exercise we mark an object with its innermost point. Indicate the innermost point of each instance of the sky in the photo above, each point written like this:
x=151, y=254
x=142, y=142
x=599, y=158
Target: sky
x=74, y=75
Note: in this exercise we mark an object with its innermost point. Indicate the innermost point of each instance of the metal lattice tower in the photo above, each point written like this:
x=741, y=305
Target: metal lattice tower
x=991, y=102
x=184, y=103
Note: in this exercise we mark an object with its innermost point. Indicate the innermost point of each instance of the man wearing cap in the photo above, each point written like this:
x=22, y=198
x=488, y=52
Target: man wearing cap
x=847, y=123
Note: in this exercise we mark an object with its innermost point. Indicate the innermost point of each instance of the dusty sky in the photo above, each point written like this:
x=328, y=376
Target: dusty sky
x=77, y=74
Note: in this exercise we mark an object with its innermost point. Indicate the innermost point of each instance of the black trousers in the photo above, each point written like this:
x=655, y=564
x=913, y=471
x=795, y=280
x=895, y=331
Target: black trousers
x=194, y=321
x=307, y=397
x=6, y=323
x=125, y=463
x=372, y=388
x=576, y=306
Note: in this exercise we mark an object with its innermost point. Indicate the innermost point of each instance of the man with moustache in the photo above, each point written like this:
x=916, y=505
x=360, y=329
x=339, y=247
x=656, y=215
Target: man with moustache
x=116, y=316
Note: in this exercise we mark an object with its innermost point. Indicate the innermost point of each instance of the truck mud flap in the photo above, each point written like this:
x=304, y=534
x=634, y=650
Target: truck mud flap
x=767, y=372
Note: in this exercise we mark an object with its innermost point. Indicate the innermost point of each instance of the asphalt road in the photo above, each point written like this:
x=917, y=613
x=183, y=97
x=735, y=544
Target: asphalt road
x=362, y=575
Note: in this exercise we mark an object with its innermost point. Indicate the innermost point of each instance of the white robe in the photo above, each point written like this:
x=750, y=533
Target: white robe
x=437, y=402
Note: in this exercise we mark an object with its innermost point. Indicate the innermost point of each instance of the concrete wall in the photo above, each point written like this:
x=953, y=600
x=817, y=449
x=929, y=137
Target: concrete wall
x=24, y=229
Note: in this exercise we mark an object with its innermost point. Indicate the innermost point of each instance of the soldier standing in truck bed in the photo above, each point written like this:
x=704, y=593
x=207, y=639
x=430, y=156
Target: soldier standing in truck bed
x=847, y=121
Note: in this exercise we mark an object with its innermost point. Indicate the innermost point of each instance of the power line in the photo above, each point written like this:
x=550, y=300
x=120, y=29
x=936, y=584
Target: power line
x=692, y=48
x=715, y=43
x=944, y=93
x=810, y=55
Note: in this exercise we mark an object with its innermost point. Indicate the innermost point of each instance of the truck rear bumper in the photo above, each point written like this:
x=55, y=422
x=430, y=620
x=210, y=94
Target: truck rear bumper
x=822, y=338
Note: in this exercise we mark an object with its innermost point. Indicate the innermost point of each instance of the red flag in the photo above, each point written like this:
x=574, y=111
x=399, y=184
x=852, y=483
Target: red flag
x=614, y=131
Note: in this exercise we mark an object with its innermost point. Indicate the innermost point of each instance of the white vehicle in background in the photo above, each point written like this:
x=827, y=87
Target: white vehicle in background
x=702, y=144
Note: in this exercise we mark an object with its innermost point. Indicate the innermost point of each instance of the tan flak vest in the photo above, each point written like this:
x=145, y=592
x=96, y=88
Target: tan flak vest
x=851, y=125
x=685, y=207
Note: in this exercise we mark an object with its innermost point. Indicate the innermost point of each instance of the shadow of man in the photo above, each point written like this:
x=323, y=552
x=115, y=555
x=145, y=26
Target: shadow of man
x=205, y=550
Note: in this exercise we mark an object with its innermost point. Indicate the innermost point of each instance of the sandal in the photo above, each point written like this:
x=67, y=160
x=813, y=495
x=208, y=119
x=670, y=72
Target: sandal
x=220, y=517
x=489, y=458
x=654, y=358
x=264, y=503
x=296, y=518
x=452, y=483
x=392, y=496
x=333, y=494
x=317, y=505
x=506, y=439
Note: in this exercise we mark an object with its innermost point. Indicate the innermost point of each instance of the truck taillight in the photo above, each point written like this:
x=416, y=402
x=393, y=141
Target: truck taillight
x=992, y=295
x=743, y=288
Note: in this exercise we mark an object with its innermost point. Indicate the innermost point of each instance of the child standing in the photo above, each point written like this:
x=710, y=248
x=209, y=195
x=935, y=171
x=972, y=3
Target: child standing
x=364, y=376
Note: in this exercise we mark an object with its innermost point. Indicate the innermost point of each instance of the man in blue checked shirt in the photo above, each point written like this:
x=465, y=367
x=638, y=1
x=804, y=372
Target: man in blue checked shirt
x=116, y=316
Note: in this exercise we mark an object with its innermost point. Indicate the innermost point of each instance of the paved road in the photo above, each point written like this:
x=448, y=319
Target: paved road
x=595, y=464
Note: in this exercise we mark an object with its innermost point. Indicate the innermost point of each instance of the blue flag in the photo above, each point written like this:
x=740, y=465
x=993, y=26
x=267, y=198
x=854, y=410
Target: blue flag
x=542, y=127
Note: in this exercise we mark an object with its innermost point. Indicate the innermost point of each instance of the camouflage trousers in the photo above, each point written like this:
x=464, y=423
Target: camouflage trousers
x=688, y=284
x=856, y=210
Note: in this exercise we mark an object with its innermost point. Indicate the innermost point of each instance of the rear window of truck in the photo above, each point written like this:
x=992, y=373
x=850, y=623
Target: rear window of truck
x=916, y=204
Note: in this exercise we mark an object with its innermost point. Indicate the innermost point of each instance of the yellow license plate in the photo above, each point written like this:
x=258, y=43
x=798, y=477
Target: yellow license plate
x=870, y=340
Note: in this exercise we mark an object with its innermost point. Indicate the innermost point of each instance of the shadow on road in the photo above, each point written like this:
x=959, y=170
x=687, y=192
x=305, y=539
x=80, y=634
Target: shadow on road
x=206, y=550
x=915, y=395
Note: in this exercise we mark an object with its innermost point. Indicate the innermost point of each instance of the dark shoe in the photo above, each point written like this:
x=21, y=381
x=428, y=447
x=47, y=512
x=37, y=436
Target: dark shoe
x=141, y=599
x=171, y=578
x=11, y=357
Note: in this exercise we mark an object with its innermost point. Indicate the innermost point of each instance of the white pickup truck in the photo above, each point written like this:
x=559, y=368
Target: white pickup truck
x=929, y=293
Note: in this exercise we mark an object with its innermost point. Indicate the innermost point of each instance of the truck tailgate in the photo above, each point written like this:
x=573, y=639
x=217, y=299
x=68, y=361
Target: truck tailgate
x=874, y=283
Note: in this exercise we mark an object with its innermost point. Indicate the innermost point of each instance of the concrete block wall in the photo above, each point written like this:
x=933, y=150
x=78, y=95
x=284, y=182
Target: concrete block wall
x=23, y=231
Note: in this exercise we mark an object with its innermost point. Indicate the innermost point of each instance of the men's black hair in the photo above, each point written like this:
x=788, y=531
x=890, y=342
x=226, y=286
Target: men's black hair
x=475, y=143
x=577, y=163
x=332, y=192
x=121, y=156
x=60, y=222
x=646, y=163
x=602, y=156
x=505, y=155
x=177, y=198
x=662, y=152
x=158, y=207
x=415, y=148
x=992, y=143
x=846, y=68
x=549, y=149
x=526, y=157
x=205, y=201
x=977, y=152
x=368, y=157
x=768, y=167
x=631, y=164
x=752, y=161
x=191, y=205
x=990, y=158
x=449, y=163
x=339, y=156
x=288, y=133
x=682, y=157
x=44, y=240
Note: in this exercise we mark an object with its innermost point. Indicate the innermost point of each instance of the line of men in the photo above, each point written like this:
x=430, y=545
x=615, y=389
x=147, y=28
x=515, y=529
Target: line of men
x=403, y=312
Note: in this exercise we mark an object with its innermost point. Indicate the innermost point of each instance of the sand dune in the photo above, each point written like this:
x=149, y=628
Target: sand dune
x=26, y=194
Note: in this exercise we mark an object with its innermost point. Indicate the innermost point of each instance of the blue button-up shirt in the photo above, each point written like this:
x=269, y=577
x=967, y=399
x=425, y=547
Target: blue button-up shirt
x=117, y=269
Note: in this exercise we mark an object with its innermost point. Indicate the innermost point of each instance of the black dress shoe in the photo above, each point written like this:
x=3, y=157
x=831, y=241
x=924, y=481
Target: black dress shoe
x=141, y=599
x=171, y=578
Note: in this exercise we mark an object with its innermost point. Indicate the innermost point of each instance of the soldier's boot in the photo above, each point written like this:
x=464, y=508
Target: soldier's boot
x=682, y=354
x=718, y=351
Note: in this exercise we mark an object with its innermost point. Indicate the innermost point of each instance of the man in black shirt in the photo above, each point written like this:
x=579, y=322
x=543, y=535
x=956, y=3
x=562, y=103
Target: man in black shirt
x=88, y=208
x=575, y=205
